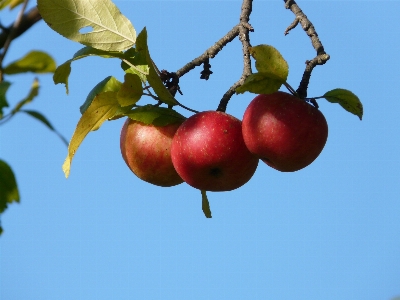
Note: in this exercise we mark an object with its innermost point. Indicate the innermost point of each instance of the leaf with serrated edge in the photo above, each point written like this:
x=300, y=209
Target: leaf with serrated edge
x=108, y=84
x=270, y=60
x=109, y=29
x=103, y=107
x=131, y=90
x=34, y=61
x=64, y=70
x=153, y=78
x=348, y=100
x=8, y=186
x=157, y=116
x=260, y=83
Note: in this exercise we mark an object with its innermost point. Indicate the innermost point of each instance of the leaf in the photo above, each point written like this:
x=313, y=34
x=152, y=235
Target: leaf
x=131, y=90
x=155, y=115
x=260, y=83
x=34, y=91
x=44, y=120
x=135, y=63
x=3, y=101
x=269, y=60
x=205, y=205
x=102, y=108
x=108, y=84
x=34, y=61
x=347, y=100
x=11, y=3
x=8, y=186
x=109, y=29
x=153, y=78
x=64, y=70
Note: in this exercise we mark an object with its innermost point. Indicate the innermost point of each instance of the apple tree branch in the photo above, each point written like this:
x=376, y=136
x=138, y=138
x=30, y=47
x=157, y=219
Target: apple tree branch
x=321, y=58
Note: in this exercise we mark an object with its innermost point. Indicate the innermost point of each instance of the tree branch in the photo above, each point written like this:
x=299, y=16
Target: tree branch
x=27, y=21
x=210, y=52
x=321, y=58
x=244, y=29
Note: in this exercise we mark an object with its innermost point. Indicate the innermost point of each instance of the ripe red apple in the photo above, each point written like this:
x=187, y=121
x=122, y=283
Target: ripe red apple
x=209, y=153
x=146, y=150
x=284, y=131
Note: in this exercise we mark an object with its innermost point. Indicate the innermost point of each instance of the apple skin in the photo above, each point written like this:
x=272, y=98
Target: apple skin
x=209, y=153
x=146, y=149
x=284, y=131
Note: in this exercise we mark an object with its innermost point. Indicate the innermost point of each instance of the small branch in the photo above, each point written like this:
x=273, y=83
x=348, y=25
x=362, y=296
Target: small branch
x=210, y=52
x=244, y=29
x=321, y=58
x=27, y=21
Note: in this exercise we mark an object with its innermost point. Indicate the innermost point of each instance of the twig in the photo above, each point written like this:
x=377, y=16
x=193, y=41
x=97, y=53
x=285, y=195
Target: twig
x=244, y=29
x=27, y=21
x=210, y=52
x=11, y=35
x=321, y=58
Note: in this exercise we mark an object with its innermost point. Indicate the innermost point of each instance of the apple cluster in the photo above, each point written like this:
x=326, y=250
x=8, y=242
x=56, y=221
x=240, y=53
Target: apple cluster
x=214, y=151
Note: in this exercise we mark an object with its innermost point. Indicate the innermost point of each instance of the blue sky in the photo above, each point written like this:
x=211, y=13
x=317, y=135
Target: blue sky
x=329, y=231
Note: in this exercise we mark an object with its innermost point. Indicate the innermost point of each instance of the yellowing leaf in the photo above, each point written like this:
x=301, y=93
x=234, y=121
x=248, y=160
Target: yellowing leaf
x=260, y=83
x=347, y=100
x=3, y=100
x=131, y=90
x=153, y=78
x=11, y=3
x=269, y=60
x=107, y=28
x=103, y=107
x=108, y=84
x=34, y=61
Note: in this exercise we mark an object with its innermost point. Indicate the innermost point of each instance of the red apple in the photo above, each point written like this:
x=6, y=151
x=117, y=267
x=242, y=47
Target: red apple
x=209, y=153
x=146, y=150
x=284, y=131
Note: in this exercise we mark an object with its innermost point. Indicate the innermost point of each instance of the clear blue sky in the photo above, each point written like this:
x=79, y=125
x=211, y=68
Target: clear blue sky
x=330, y=231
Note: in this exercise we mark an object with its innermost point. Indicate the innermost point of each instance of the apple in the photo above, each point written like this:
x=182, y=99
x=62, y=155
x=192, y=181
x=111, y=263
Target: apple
x=284, y=131
x=146, y=149
x=209, y=153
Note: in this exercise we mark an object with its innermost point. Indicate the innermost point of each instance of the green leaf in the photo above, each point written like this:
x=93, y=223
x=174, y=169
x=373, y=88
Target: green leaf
x=270, y=61
x=3, y=101
x=205, y=205
x=108, y=84
x=155, y=115
x=135, y=63
x=64, y=70
x=8, y=186
x=34, y=61
x=153, y=78
x=109, y=29
x=131, y=90
x=260, y=83
x=34, y=91
x=103, y=107
x=44, y=120
x=347, y=100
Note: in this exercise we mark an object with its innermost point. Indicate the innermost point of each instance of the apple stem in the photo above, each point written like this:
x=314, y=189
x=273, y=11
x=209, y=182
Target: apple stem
x=290, y=89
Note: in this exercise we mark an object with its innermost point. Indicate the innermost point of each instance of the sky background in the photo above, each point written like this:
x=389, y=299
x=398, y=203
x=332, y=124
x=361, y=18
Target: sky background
x=330, y=231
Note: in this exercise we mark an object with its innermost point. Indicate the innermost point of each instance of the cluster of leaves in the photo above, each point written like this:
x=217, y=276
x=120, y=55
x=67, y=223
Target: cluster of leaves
x=37, y=62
